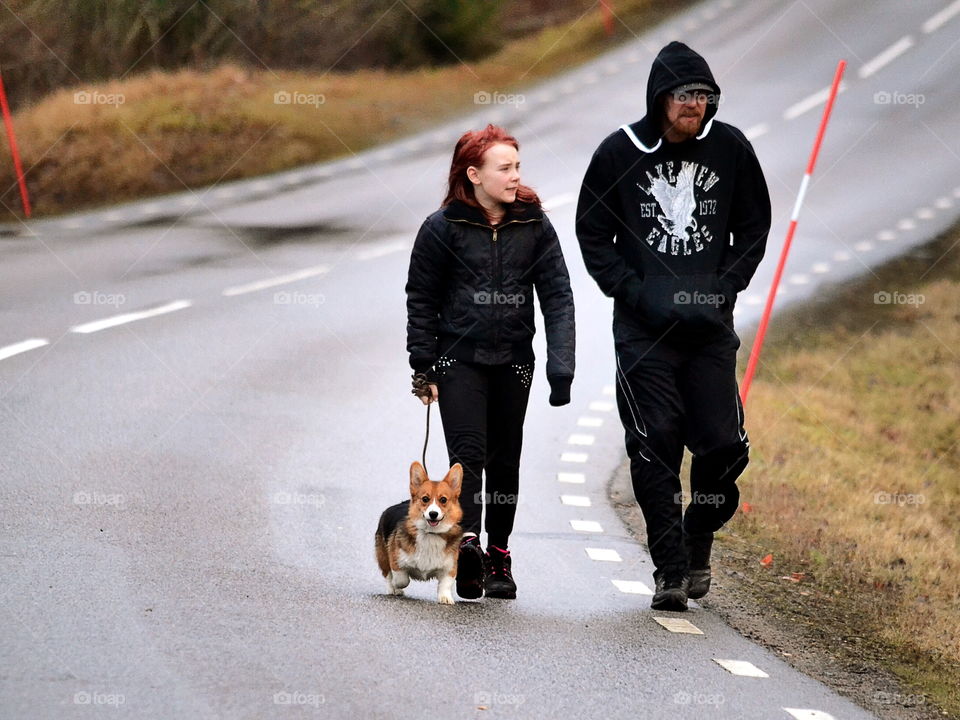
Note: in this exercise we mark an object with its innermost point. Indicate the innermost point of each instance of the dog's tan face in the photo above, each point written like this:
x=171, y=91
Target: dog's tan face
x=435, y=506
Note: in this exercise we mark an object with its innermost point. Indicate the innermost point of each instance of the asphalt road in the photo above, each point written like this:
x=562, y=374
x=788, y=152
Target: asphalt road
x=189, y=494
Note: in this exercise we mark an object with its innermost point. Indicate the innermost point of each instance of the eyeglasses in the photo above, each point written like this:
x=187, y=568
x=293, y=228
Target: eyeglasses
x=685, y=96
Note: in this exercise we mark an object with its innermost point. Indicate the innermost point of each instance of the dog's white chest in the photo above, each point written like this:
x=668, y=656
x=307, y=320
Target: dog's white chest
x=430, y=559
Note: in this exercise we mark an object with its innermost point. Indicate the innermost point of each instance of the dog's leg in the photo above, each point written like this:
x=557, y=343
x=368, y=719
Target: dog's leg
x=391, y=588
x=399, y=580
x=445, y=590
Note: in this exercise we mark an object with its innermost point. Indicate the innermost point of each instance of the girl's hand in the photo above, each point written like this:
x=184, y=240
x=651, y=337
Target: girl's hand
x=434, y=395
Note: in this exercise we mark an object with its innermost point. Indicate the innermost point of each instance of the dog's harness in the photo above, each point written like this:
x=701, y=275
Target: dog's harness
x=421, y=388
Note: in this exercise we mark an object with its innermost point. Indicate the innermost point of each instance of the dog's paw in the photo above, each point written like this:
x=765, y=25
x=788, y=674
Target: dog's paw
x=396, y=591
x=445, y=599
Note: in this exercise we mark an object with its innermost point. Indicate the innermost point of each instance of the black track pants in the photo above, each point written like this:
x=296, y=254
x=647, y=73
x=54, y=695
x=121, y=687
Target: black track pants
x=670, y=397
x=482, y=408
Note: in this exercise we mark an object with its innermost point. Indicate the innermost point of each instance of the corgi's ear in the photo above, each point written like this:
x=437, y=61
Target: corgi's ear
x=418, y=476
x=455, y=478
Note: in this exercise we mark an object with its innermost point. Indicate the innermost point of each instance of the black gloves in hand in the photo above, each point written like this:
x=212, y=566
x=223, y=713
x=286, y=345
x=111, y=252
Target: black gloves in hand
x=559, y=390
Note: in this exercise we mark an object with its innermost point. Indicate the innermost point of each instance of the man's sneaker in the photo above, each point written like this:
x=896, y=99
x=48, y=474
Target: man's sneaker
x=498, y=581
x=671, y=592
x=470, y=569
x=698, y=552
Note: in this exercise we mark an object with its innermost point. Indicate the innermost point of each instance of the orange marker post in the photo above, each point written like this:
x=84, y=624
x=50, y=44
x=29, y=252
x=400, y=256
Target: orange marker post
x=771, y=296
x=8, y=122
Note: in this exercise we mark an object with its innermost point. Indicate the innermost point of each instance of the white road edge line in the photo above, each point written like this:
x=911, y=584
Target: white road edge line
x=741, y=667
x=810, y=102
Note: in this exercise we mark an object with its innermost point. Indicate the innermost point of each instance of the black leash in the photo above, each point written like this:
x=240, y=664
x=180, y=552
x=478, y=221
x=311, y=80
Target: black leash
x=421, y=388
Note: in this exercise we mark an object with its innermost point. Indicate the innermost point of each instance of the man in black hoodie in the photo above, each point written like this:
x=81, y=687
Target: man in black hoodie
x=672, y=221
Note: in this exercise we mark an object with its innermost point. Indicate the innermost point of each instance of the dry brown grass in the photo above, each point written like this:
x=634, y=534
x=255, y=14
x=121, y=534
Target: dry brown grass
x=190, y=129
x=854, y=475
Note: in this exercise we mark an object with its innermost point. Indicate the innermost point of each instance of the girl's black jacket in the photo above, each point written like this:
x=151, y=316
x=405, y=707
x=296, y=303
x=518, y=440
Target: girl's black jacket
x=470, y=291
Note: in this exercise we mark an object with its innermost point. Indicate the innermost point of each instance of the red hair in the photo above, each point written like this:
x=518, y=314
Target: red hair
x=469, y=152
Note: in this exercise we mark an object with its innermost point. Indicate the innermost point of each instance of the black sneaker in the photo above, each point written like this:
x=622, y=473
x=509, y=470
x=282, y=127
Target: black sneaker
x=671, y=592
x=698, y=552
x=498, y=581
x=470, y=569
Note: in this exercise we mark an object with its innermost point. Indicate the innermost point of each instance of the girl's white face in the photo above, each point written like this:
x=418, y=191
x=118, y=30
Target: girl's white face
x=496, y=181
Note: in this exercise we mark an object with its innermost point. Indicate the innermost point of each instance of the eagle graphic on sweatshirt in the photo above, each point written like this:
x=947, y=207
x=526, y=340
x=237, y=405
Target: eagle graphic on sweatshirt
x=675, y=192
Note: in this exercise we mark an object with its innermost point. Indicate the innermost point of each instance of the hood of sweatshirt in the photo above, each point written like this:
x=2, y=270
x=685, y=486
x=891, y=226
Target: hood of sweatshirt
x=676, y=64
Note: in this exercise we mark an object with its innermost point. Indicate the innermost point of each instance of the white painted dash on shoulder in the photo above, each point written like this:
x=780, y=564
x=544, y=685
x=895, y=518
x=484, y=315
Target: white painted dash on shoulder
x=603, y=554
x=886, y=235
x=593, y=422
x=632, y=587
x=906, y=224
x=925, y=213
x=589, y=526
x=943, y=203
x=741, y=667
x=572, y=478
x=601, y=406
x=841, y=256
x=863, y=246
x=579, y=439
x=678, y=625
x=124, y=318
x=806, y=714
x=22, y=347
x=799, y=279
x=575, y=500
x=574, y=457
x=820, y=268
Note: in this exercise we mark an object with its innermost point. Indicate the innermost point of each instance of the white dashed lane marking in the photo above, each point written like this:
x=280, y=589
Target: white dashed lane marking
x=741, y=667
x=115, y=320
x=886, y=57
x=601, y=406
x=22, y=347
x=632, y=587
x=574, y=457
x=935, y=22
x=278, y=280
x=805, y=714
x=575, y=500
x=810, y=102
x=593, y=422
x=571, y=478
x=577, y=439
x=756, y=131
x=603, y=554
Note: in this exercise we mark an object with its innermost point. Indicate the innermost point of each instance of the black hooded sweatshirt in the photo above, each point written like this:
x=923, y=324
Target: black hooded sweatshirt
x=673, y=231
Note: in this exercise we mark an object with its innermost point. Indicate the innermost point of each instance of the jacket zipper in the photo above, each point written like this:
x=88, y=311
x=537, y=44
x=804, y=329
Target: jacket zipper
x=497, y=267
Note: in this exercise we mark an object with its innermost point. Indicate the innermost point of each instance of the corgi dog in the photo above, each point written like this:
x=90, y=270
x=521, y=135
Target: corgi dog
x=420, y=537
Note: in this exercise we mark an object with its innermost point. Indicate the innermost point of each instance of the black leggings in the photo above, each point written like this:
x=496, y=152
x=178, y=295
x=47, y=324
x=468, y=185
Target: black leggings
x=482, y=408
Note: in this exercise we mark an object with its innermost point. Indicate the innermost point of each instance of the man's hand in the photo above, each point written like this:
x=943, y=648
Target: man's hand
x=434, y=395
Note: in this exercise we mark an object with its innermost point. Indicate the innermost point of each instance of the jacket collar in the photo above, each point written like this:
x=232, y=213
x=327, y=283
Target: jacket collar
x=517, y=210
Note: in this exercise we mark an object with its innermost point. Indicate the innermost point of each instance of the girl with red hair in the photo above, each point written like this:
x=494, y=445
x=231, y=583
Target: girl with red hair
x=470, y=325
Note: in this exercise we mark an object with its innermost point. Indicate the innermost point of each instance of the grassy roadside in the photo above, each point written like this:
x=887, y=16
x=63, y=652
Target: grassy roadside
x=853, y=486
x=853, y=490
x=164, y=131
